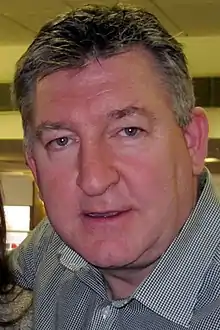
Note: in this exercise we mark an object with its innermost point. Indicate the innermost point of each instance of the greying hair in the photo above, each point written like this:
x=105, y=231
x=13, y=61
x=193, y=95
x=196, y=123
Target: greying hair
x=72, y=40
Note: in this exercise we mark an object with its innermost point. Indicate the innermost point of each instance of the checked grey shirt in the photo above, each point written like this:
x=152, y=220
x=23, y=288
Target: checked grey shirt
x=182, y=292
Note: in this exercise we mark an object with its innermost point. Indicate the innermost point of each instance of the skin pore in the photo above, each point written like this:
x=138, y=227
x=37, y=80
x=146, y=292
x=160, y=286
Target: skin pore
x=118, y=176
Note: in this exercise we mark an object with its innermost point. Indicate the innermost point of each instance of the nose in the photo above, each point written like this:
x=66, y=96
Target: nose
x=96, y=171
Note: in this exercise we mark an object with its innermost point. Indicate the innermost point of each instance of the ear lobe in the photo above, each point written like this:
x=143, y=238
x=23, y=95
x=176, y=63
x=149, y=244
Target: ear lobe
x=196, y=136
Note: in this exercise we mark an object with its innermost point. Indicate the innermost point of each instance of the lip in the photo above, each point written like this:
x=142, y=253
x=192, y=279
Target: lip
x=109, y=215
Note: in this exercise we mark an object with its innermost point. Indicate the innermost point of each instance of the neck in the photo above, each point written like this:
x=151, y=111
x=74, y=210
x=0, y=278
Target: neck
x=121, y=283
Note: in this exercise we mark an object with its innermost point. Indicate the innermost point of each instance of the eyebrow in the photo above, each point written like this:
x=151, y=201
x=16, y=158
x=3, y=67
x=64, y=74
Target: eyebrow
x=128, y=112
x=112, y=115
x=50, y=126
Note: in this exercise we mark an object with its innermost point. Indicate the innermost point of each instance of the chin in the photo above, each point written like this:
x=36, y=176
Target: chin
x=107, y=258
x=109, y=264
x=114, y=252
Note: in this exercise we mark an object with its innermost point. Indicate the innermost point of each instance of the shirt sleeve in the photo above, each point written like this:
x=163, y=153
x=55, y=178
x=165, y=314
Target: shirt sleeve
x=25, y=260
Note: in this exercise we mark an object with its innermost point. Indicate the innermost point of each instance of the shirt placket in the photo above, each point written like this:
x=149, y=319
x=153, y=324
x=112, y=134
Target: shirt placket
x=104, y=317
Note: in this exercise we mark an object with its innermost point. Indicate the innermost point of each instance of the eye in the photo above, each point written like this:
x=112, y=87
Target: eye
x=131, y=131
x=59, y=143
x=62, y=141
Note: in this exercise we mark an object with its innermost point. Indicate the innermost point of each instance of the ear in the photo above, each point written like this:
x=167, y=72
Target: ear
x=196, y=136
x=31, y=163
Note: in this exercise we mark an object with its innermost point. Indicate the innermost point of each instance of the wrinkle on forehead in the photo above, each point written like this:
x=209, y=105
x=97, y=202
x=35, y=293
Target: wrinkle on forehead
x=100, y=93
x=113, y=83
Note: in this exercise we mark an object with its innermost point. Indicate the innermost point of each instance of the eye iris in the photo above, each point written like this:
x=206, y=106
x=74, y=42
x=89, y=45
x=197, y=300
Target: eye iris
x=131, y=131
x=62, y=141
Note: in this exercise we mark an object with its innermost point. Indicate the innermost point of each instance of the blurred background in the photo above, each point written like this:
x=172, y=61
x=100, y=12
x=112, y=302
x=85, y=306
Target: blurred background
x=195, y=23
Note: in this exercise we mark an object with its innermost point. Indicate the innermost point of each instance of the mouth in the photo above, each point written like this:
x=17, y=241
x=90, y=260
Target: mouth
x=108, y=215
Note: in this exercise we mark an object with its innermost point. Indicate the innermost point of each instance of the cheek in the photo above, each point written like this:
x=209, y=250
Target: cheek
x=148, y=169
x=61, y=201
x=56, y=168
x=57, y=183
x=151, y=182
x=150, y=178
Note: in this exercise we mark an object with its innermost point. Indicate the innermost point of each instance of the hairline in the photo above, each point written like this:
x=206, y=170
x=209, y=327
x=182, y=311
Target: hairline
x=153, y=61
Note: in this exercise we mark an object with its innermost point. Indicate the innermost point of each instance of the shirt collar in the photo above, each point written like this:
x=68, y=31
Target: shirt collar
x=172, y=288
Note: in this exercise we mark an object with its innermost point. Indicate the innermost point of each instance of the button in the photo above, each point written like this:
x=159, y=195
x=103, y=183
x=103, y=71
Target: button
x=105, y=312
x=120, y=303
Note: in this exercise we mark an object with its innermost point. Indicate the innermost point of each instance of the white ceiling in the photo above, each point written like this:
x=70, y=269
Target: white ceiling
x=21, y=19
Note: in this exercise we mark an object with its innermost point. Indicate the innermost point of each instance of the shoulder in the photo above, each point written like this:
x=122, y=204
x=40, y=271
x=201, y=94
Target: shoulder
x=25, y=260
x=18, y=304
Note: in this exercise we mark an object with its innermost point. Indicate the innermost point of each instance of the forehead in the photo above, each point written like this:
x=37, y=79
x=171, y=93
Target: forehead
x=103, y=85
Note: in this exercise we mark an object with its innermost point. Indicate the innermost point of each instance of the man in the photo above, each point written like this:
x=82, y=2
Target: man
x=117, y=148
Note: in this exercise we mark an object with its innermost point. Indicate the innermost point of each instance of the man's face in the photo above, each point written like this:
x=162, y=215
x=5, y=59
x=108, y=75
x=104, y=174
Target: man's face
x=115, y=171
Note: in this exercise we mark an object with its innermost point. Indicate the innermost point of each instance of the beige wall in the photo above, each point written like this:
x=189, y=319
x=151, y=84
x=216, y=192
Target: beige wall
x=10, y=125
x=214, y=122
x=17, y=189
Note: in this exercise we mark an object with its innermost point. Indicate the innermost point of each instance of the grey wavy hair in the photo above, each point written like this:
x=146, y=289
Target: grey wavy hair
x=72, y=40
